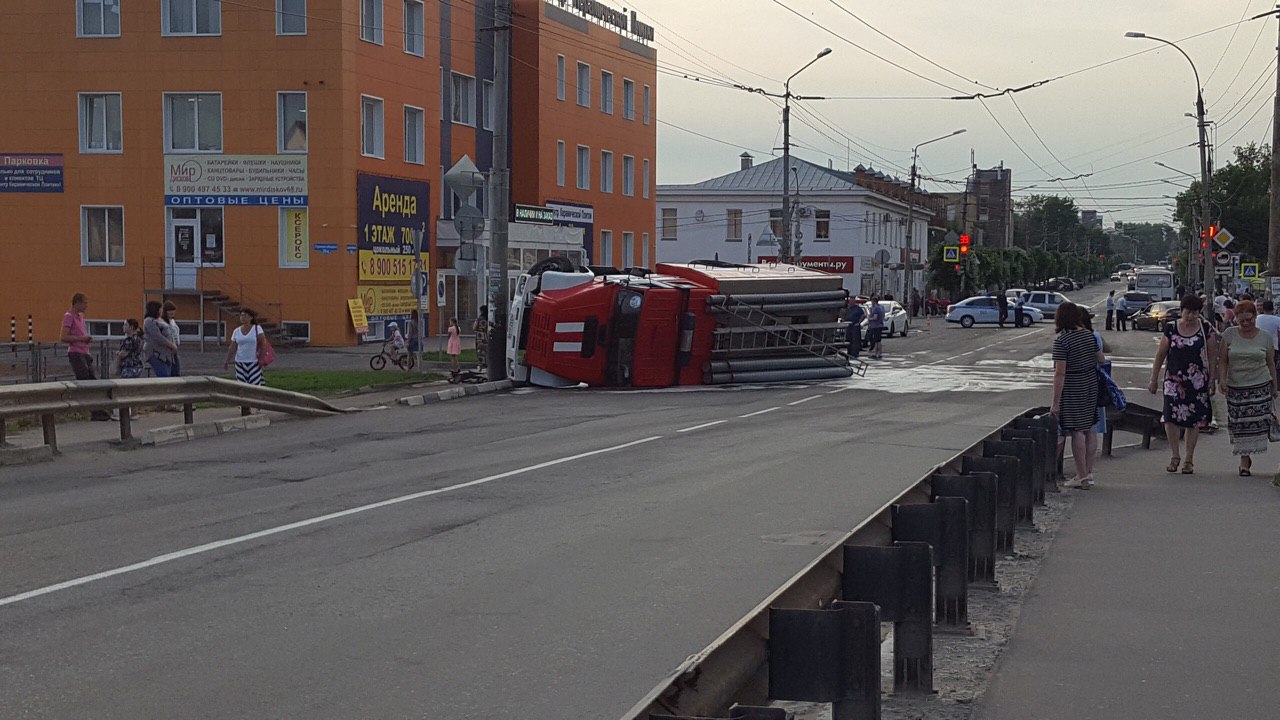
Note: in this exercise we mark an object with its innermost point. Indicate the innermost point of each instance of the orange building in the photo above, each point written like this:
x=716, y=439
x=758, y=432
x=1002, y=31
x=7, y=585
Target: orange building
x=283, y=155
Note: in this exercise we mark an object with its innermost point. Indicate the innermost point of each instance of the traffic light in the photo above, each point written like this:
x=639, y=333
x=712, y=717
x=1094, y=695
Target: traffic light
x=964, y=244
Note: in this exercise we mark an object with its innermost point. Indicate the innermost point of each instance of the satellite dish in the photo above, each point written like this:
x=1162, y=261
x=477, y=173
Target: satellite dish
x=469, y=222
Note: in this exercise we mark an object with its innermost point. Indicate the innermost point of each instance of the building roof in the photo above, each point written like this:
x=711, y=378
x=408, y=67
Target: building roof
x=767, y=177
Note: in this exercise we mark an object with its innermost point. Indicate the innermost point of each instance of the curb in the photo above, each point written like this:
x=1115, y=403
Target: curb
x=455, y=392
x=25, y=455
x=183, y=433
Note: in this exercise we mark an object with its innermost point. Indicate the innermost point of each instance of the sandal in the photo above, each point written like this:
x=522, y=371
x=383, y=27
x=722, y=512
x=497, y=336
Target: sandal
x=1173, y=464
x=1188, y=468
x=1246, y=466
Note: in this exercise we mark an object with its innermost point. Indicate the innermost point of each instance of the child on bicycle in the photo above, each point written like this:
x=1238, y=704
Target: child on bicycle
x=395, y=345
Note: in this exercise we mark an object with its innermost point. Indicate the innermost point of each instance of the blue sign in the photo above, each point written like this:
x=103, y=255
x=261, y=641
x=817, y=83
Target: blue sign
x=31, y=173
x=325, y=248
x=213, y=200
x=351, y=249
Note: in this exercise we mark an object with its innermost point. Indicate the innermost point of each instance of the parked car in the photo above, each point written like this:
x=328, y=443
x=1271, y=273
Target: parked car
x=896, y=319
x=1115, y=277
x=1015, y=293
x=1046, y=302
x=1138, y=298
x=1155, y=315
x=986, y=309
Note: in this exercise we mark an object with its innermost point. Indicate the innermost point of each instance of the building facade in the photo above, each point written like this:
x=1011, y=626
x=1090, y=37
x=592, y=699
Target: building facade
x=283, y=155
x=842, y=226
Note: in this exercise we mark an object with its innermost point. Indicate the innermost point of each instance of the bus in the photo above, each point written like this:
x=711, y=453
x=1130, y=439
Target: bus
x=1157, y=281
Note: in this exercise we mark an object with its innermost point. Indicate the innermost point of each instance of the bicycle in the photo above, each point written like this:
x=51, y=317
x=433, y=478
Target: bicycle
x=405, y=360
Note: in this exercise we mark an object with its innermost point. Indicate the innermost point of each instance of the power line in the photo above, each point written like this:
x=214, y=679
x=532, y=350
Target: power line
x=1227, y=46
x=1011, y=138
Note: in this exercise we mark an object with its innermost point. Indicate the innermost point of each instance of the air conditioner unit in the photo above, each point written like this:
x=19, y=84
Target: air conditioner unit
x=804, y=212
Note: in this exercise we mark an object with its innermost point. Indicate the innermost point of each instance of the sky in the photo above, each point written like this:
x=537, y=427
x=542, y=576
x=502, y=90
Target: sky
x=1107, y=122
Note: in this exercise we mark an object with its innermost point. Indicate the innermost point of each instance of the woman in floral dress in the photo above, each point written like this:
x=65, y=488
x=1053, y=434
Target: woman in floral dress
x=1187, y=353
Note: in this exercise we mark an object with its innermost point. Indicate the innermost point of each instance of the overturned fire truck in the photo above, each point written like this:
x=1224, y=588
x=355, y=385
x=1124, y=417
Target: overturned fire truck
x=701, y=323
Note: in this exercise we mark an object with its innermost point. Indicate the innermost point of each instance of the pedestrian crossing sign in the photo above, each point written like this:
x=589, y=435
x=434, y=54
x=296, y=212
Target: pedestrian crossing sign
x=1249, y=271
x=951, y=253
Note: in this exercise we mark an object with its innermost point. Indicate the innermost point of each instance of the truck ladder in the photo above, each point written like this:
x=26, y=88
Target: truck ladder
x=782, y=334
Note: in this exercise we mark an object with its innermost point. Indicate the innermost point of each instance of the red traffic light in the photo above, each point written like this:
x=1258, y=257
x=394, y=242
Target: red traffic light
x=964, y=249
x=964, y=240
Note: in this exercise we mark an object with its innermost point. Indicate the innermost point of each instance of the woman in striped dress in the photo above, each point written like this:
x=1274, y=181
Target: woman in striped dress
x=246, y=347
x=1075, y=389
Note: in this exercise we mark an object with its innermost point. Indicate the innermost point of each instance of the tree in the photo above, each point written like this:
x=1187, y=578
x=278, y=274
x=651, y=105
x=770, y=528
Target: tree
x=1238, y=200
x=1148, y=241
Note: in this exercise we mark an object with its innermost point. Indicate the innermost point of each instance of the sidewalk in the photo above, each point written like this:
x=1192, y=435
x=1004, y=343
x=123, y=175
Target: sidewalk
x=1160, y=598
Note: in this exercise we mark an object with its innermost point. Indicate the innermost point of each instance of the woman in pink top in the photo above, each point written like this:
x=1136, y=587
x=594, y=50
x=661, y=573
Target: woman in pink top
x=455, y=344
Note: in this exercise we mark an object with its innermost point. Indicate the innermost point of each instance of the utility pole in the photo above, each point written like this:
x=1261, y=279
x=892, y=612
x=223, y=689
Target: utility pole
x=499, y=192
x=785, y=253
x=1273, y=235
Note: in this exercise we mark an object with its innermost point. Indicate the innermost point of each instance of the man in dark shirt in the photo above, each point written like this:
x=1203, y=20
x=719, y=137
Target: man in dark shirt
x=854, y=314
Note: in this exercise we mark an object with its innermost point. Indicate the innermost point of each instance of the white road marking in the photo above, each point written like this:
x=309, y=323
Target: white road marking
x=703, y=425
x=759, y=412
x=804, y=400
x=241, y=539
x=839, y=390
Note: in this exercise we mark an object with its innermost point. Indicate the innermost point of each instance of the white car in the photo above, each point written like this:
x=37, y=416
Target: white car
x=896, y=320
x=985, y=309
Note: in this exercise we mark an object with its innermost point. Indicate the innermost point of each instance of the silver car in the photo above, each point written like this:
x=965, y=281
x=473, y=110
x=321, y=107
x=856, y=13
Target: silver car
x=1045, y=301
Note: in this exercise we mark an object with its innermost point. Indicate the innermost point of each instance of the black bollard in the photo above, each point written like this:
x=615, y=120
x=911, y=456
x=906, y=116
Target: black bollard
x=1006, y=472
x=979, y=491
x=943, y=524
x=898, y=578
x=1023, y=494
x=1040, y=472
x=828, y=656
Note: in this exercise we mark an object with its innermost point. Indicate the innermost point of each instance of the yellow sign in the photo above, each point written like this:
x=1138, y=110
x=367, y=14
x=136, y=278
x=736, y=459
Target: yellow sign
x=1249, y=271
x=295, y=239
x=388, y=299
x=951, y=253
x=359, y=320
x=389, y=268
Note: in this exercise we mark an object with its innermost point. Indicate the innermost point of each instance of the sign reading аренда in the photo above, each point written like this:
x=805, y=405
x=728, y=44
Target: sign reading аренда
x=390, y=212
x=228, y=180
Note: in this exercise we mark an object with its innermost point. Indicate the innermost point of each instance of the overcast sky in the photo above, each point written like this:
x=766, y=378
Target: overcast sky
x=1105, y=121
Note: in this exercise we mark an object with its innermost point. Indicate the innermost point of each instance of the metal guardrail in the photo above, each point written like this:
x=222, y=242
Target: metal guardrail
x=817, y=638
x=50, y=399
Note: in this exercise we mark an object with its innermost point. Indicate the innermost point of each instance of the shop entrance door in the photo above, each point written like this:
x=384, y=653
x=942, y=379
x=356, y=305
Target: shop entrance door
x=183, y=259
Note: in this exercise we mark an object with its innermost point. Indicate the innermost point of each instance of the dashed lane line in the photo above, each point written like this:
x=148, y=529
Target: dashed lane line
x=804, y=400
x=703, y=425
x=760, y=412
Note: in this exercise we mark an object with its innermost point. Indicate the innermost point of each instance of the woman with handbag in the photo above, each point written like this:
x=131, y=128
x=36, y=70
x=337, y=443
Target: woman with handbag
x=1075, y=389
x=1246, y=373
x=158, y=348
x=250, y=349
x=1188, y=353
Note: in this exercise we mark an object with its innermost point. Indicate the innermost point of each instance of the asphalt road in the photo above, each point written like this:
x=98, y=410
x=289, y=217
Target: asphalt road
x=534, y=554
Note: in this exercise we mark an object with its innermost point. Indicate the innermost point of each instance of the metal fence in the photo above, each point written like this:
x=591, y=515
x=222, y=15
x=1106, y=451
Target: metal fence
x=33, y=362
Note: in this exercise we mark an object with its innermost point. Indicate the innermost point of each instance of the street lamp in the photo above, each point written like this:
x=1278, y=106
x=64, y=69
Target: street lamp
x=784, y=252
x=1204, y=156
x=911, y=209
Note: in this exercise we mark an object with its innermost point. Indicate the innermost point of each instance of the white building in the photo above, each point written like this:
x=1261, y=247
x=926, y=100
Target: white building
x=841, y=226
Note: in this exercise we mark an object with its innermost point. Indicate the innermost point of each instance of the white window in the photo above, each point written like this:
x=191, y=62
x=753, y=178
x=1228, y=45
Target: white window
x=560, y=163
x=414, y=127
x=628, y=175
x=295, y=248
x=102, y=235
x=191, y=17
x=193, y=122
x=486, y=104
x=584, y=167
x=414, y=29
x=647, y=105
x=291, y=17
x=100, y=123
x=606, y=171
x=371, y=21
x=98, y=18
x=291, y=118
x=644, y=249
x=606, y=246
x=644, y=189
x=606, y=92
x=733, y=226
x=669, y=216
x=464, y=100
x=628, y=99
x=822, y=230
x=372, y=131
x=584, y=85
x=628, y=253
x=559, y=77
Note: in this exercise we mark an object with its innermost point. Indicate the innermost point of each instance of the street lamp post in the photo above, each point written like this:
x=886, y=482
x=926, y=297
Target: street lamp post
x=784, y=249
x=911, y=211
x=1193, y=241
x=1205, y=219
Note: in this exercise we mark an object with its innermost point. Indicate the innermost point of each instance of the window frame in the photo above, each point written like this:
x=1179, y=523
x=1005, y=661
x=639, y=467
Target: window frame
x=606, y=174
x=85, y=135
x=169, y=149
x=80, y=33
x=583, y=95
x=628, y=99
x=421, y=131
x=469, y=96
x=583, y=179
x=606, y=92
x=822, y=225
x=648, y=104
x=382, y=131
x=606, y=247
x=675, y=224
x=645, y=190
x=628, y=176
x=280, y=15
x=732, y=222
x=628, y=249
x=561, y=163
x=164, y=19
x=85, y=261
x=560, y=77
x=376, y=32
x=421, y=29
x=280, y=129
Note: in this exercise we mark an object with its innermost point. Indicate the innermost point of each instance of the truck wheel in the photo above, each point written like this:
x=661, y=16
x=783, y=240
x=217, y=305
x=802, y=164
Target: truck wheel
x=966, y=321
